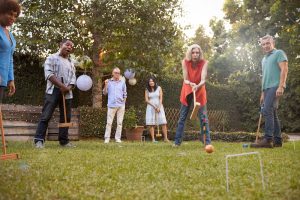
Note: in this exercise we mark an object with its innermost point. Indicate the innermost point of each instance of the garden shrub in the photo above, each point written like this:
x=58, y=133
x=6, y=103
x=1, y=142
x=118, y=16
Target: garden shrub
x=223, y=136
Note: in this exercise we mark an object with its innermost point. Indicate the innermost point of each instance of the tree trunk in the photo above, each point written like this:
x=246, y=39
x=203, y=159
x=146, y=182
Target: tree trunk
x=97, y=74
x=97, y=87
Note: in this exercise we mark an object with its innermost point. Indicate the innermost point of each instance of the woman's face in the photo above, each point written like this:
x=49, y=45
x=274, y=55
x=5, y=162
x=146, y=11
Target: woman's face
x=151, y=83
x=7, y=19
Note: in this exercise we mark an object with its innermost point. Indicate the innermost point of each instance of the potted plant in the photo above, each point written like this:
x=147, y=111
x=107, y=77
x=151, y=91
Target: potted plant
x=132, y=131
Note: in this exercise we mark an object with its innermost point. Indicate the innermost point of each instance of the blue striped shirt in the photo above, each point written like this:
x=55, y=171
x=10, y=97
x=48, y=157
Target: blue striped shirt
x=117, y=93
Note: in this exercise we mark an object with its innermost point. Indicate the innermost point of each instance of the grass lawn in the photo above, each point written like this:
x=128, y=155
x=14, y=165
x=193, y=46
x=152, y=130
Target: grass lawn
x=129, y=170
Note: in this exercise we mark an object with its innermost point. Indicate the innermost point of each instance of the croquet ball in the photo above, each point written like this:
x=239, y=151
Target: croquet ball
x=209, y=148
x=84, y=82
x=245, y=145
x=132, y=81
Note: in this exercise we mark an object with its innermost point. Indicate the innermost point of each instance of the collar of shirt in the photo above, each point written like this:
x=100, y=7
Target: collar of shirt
x=112, y=79
x=271, y=52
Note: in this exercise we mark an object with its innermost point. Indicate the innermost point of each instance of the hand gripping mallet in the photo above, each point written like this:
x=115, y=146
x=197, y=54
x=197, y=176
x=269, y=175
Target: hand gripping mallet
x=4, y=156
x=65, y=124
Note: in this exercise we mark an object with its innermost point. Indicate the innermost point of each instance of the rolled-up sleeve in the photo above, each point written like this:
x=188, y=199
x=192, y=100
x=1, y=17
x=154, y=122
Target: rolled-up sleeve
x=48, y=68
x=124, y=90
x=11, y=69
x=73, y=78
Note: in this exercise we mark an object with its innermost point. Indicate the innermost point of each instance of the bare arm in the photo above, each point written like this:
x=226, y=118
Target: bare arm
x=147, y=100
x=105, y=87
x=283, y=75
x=160, y=97
x=203, y=75
x=186, y=78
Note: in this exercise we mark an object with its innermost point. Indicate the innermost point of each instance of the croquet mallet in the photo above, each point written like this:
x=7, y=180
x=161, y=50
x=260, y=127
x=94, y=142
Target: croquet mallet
x=5, y=156
x=158, y=134
x=196, y=108
x=259, y=122
x=65, y=124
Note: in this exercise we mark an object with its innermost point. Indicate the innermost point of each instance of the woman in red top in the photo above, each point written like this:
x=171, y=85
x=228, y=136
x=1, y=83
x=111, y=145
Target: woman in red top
x=194, y=69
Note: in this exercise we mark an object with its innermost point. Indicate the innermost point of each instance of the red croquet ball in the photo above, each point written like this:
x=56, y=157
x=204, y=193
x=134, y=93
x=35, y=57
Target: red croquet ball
x=209, y=148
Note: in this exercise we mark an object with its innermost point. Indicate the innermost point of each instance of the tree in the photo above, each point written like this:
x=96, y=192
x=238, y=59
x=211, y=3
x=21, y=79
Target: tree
x=250, y=21
x=127, y=33
x=203, y=40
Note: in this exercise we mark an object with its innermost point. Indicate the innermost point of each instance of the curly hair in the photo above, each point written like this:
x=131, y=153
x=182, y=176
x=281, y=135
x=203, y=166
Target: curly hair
x=188, y=54
x=7, y=6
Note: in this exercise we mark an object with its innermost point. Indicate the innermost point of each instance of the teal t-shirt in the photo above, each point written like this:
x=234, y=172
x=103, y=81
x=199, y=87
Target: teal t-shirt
x=270, y=68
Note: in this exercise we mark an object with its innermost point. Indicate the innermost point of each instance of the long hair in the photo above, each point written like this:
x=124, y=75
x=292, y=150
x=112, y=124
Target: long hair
x=6, y=6
x=188, y=54
x=148, y=87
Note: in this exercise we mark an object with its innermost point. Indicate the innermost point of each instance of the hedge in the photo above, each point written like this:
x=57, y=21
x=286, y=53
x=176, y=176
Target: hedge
x=224, y=136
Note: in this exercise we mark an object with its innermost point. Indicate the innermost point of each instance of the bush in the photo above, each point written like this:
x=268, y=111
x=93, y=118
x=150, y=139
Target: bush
x=130, y=118
x=92, y=122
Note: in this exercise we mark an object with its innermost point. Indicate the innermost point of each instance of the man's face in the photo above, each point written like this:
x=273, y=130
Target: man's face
x=7, y=19
x=195, y=55
x=66, y=48
x=116, y=74
x=267, y=45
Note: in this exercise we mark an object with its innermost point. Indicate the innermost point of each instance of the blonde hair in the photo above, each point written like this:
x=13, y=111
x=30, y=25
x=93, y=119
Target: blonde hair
x=188, y=54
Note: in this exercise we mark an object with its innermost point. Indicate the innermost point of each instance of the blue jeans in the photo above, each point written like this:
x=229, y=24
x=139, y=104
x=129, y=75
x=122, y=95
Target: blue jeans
x=202, y=115
x=51, y=102
x=272, y=124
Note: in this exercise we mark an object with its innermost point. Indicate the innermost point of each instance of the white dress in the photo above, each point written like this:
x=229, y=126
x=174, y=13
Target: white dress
x=152, y=117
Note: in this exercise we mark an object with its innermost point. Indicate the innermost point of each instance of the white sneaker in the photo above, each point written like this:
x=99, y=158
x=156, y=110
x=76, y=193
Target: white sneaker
x=118, y=141
x=106, y=141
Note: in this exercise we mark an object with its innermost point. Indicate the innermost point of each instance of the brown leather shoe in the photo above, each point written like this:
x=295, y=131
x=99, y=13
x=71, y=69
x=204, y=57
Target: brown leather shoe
x=262, y=144
x=277, y=145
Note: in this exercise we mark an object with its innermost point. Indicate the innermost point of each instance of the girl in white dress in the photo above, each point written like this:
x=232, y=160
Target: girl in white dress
x=155, y=114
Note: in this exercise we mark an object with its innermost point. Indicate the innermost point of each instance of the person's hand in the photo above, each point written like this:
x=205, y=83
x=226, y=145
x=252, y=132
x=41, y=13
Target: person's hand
x=261, y=100
x=279, y=91
x=12, y=88
x=157, y=109
x=70, y=87
x=64, y=89
x=195, y=88
x=192, y=84
x=105, y=82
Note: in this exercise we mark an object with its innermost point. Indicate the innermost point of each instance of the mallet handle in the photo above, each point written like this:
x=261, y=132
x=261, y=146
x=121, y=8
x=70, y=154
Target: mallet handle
x=2, y=132
x=64, y=102
x=258, y=127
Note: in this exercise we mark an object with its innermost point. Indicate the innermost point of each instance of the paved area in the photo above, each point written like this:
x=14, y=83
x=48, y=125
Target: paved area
x=294, y=137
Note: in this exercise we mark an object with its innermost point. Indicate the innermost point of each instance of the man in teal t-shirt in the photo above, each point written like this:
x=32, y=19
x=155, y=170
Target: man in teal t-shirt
x=274, y=71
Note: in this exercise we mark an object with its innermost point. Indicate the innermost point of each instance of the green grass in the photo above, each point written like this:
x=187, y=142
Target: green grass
x=147, y=171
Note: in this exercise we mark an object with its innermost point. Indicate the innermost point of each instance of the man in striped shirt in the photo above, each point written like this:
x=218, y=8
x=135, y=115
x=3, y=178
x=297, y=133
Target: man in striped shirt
x=61, y=78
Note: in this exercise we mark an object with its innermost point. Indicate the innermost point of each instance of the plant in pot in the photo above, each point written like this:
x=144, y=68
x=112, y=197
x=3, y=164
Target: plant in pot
x=132, y=131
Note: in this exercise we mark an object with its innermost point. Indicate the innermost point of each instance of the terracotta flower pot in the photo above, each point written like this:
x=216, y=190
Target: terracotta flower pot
x=135, y=133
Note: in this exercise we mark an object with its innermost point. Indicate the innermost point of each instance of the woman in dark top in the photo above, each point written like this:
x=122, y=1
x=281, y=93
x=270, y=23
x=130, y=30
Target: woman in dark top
x=9, y=11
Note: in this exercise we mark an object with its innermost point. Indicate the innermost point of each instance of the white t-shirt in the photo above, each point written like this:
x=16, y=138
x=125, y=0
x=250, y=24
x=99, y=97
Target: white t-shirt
x=66, y=69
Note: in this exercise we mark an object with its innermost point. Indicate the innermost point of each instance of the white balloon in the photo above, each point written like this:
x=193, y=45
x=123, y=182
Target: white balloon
x=129, y=73
x=84, y=82
x=132, y=81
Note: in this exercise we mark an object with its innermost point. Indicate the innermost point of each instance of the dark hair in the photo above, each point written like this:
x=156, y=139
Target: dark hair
x=7, y=6
x=64, y=41
x=148, y=86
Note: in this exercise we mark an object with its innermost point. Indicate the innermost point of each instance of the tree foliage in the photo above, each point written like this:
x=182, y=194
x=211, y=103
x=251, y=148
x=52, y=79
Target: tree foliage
x=251, y=20
x=136, y=34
